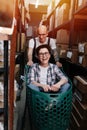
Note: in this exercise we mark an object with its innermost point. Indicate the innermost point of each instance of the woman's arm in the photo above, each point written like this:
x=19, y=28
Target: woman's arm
x=60, y=77
x=58, y=85
x=46, y=88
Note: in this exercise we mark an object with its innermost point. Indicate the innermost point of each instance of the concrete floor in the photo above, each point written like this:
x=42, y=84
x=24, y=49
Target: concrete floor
x=21, y=117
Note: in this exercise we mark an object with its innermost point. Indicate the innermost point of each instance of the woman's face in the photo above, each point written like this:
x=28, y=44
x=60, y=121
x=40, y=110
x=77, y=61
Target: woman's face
x=44, y=56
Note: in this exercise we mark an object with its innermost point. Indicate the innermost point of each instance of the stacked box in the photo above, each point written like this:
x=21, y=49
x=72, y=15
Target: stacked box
x=71, y=9
x=63, y=48
x=57, y=17
x=81, y=3
x=51, y=23
x=63, y=15
x=82, y=60
x=1, y=95
x=23, y=15
x=82, y=48
x=1, y=53
x=29, y=31
x=72, y=55
x=21, y=38
x=50, y=7
x=82, y=54
x=1, y=125
x=62, y=36
x=56, y=2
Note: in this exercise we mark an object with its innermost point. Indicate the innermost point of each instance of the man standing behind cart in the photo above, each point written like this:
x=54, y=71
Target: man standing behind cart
x=41, y=40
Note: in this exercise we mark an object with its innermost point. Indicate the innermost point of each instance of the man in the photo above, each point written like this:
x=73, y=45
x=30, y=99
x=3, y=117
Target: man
x=41, y=40
x=45, y=76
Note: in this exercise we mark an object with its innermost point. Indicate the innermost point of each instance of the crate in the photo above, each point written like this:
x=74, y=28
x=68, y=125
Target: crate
x=49, y=111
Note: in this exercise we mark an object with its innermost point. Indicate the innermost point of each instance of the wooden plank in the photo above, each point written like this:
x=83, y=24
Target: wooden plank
x=11, y=78
x=84, y=17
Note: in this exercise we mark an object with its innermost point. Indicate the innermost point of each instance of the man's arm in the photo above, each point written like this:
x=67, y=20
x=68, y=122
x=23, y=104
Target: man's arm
x=56, y=57
x=30, y=53
x=55, y=51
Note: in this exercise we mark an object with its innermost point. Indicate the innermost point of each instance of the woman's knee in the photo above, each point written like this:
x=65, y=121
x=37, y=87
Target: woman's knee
x=34, y=87
x=65, y=87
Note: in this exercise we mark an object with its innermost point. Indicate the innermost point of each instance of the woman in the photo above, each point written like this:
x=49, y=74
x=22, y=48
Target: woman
x=45, y=76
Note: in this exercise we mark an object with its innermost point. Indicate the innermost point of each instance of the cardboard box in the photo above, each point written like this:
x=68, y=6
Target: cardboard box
x=82, y=48
x=1, y=104
x=72, y=55
x=81, y=3
x=82, y=60
x=51, y=23
x=1, y=125
x=63, y=13
x=62, y=36
x=1, y=99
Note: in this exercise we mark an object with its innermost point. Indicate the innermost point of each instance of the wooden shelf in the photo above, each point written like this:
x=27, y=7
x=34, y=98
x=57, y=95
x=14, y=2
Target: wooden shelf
x=81, y=11
x=59, y=4
x=65, y=25
x=80, y=17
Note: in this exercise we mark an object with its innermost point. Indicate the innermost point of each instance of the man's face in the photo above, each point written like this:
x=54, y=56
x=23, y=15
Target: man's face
x=44, y=56
x=42, y=34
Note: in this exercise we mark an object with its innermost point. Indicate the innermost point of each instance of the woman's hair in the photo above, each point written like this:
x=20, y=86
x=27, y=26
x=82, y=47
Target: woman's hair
x=43, y=46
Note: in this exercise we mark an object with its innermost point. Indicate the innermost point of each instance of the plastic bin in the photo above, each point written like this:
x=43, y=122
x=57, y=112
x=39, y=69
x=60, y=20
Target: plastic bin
x=49, y=111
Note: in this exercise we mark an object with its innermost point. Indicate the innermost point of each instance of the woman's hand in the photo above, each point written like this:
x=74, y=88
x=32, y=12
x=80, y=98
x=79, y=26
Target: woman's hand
x=55, y=87
x=46, y=88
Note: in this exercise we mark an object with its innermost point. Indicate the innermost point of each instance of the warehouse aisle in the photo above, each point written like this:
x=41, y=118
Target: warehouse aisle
x=21, y=118
x=21, y=122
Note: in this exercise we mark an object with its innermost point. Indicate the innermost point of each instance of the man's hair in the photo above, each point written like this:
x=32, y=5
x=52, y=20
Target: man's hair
x=42, y=27
x=41, y=47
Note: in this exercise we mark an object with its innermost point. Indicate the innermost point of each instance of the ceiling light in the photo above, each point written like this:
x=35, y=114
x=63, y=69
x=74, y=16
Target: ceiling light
x=36, y=5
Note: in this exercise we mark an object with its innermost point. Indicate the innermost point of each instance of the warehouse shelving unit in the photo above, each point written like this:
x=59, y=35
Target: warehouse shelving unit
x=4, y=70
x=76, y=25
x=19, y=28
x=9, y=70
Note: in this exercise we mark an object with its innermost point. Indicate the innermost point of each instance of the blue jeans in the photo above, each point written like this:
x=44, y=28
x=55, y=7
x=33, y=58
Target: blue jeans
x=63, y=88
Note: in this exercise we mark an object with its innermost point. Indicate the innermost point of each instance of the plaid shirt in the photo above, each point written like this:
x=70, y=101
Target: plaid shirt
x=54, y=74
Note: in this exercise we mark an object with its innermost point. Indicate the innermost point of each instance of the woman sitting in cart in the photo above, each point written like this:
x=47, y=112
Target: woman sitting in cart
x=45, y=76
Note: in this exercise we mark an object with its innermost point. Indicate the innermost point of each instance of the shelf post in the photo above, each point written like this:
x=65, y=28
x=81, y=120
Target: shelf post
x=5, y=85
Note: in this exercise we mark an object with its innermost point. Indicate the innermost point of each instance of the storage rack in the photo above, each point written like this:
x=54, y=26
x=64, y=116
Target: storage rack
x=77, y=23
x=4, y=70
x=9, y=97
